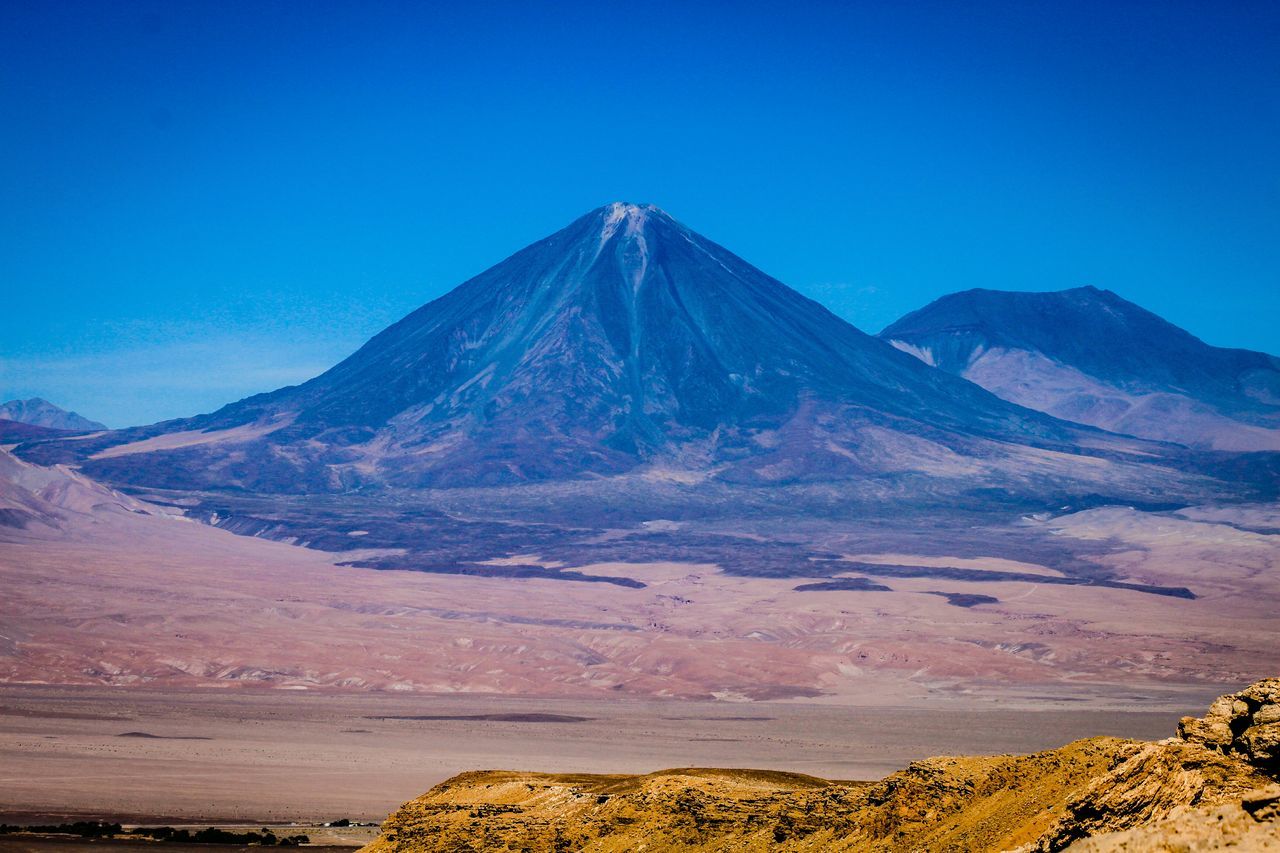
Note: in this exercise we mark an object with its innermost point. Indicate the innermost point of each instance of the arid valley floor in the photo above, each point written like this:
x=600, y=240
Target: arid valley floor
x=259, y=681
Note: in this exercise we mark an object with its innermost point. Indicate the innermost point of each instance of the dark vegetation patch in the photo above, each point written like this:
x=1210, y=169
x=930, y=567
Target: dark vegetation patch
x=1263, y=531
x=1260, y=470
x=730, y=719
x=497, y=524
x=150, y=736
x=408, y=563
x=982, y=575
x=212, y=835
x=1082, y=503
x=844, y=585
x=965, y=599
x=14, y=518
x=459, y=531
x=535, y=717
x=82, y=828
x=9, y=711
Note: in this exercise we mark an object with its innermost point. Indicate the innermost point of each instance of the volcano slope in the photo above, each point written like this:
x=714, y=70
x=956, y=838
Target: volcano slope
x=1043, y=802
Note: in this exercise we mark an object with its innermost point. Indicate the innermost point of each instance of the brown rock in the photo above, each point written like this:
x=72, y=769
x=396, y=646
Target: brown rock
x=1149, y=787
x=1264, y=692
x=1249, y=826
x=1263, y=806
x=1245, y=724
x=1214, y=734
x=1262, y=744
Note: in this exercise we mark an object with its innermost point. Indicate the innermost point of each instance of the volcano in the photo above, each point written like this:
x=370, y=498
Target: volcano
x=1090, y=356
x=623, y=343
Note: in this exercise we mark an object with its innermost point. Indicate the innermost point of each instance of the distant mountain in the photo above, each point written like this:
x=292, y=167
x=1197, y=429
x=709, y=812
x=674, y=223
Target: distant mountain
x=1089, y=356
x=623, y=343
x=42, y=413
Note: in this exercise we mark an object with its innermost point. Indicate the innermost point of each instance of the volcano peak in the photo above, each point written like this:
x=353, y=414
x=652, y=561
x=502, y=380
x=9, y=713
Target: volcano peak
x=619, y=210
x=629, y=219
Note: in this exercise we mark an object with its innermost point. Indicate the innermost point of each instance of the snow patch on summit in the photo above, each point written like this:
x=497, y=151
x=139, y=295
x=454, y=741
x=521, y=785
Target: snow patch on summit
x=631, y=218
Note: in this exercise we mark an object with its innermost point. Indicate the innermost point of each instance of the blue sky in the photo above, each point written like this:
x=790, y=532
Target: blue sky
x=199, y=201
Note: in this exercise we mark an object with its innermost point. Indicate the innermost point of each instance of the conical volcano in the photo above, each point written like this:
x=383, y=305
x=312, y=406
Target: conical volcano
x=623, y=342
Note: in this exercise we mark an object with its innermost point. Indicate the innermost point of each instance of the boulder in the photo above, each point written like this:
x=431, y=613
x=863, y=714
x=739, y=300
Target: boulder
x=1244, y=724
x=1262, y=745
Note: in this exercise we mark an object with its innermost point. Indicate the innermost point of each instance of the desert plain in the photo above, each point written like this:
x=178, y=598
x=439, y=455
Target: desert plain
x=158, y=669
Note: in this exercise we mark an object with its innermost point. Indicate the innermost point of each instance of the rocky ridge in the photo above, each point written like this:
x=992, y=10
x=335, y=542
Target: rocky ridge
x=1253, y=824
x=1098, y=794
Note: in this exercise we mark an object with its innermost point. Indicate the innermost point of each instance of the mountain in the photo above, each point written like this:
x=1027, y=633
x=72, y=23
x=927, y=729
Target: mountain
x=1089, y=356
x=42, y=413
x=623, y=343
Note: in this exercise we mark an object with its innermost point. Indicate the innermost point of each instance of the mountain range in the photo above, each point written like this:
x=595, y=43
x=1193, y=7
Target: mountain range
x=628, y=344
x=1089, y=356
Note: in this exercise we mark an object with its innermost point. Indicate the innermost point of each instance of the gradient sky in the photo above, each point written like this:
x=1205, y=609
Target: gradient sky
x=199, y=201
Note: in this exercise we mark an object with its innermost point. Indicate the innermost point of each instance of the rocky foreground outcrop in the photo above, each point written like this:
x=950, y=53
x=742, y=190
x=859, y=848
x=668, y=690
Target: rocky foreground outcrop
x=1253, y=824
x=1211, y=787
x=1246, y=724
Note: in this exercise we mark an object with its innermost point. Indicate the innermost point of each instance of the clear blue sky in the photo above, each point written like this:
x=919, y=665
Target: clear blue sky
x=199, y=201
